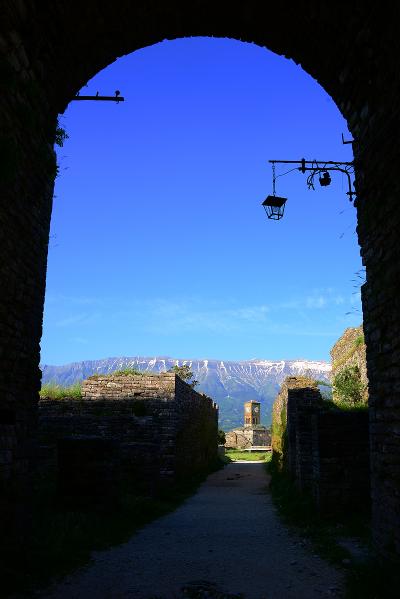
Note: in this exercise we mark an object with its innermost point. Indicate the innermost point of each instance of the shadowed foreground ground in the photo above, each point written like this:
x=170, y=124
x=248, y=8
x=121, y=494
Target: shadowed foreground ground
x=227, y=535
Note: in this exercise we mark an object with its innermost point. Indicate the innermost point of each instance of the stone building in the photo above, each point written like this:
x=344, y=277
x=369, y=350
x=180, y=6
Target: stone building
x=253, y=433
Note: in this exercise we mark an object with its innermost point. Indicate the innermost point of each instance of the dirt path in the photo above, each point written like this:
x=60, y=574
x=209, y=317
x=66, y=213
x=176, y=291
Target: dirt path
x=228, y=534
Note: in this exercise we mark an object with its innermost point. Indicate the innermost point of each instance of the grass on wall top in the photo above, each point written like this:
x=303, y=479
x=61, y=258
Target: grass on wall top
x=123, y=372
x=54, y=391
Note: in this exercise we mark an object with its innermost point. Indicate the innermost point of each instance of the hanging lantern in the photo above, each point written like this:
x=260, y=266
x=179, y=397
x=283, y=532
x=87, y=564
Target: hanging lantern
x=274, y=206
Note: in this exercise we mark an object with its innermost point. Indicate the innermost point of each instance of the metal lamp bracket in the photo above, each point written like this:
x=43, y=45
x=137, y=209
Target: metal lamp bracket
x=316, y=167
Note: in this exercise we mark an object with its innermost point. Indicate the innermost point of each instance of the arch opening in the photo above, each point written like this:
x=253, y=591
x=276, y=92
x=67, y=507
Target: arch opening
x=180, y=171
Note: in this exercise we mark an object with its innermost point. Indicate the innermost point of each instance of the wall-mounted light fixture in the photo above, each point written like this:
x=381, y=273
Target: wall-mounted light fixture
x=274, y=205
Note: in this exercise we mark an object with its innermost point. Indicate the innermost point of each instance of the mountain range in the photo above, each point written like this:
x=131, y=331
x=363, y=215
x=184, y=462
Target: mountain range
x=229, y=383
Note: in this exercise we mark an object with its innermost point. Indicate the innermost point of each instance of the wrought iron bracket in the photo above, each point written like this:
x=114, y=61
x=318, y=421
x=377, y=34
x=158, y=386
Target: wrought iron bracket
x=318, y=166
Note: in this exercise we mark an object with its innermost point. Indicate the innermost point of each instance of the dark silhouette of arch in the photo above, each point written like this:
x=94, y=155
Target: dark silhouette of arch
x=50, y=50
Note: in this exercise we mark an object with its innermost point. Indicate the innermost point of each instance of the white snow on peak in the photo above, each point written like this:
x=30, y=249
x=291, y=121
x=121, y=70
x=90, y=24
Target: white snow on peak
x=304, y=365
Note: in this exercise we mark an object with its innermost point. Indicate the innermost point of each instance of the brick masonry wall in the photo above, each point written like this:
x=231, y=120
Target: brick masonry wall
x=165, y=429
x=47, y=55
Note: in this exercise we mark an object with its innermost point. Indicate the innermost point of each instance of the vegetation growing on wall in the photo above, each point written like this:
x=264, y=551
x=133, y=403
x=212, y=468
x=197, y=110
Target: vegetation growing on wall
x=359, y=341
x=348, y=387
x=61, y=135
x=123, y=372
x=279, y=437
x=128, y=372
x=185, y=374
x=349, y=369
x=54, y=391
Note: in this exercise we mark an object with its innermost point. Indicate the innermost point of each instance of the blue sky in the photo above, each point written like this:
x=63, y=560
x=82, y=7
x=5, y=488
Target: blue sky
x=159, y=244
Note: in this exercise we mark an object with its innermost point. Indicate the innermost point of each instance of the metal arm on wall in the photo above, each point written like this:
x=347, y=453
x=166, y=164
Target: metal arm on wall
x=117, y=98
x=320, y=166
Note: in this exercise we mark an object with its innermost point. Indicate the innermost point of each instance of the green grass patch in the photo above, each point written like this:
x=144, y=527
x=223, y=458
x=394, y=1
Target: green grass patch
x=60, y=539
x=359, y=341
x=122, y=372
x=128, y=372
x=54, y=391
x=345, y=406
x=237, y=454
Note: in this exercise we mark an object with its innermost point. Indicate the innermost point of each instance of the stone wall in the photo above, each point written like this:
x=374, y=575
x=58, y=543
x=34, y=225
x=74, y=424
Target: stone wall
x=279, y=417
x=340, y=460
x=47, y=55
x=325, y=450
x=140, y=437
x=114, y=387
x=164, y=428
x=350, y=350
x=302, y=404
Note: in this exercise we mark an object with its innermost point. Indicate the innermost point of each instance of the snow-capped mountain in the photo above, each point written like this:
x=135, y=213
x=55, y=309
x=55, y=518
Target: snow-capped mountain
x=228, y=383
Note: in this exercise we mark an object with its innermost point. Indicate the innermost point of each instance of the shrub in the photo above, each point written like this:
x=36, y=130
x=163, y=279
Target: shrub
x=347, y=385
x=61, y=135
x=185, y=374
x=359, y=341
x=221, y=437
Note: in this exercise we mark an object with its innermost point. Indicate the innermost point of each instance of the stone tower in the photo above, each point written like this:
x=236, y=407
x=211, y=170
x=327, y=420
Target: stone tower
x=251, y=413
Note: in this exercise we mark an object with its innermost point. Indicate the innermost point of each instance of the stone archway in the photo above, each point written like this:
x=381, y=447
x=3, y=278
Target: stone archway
x=50, y=51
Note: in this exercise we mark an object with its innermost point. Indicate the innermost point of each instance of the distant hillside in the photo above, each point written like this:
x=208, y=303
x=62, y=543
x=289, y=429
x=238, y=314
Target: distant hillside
x=228, y=383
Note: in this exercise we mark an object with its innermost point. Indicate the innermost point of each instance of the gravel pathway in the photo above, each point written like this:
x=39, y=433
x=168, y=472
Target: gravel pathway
x=225, y=541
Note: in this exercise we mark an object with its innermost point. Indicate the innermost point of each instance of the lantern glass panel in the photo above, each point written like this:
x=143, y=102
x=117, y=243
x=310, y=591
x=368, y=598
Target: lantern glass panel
x=274, y=207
